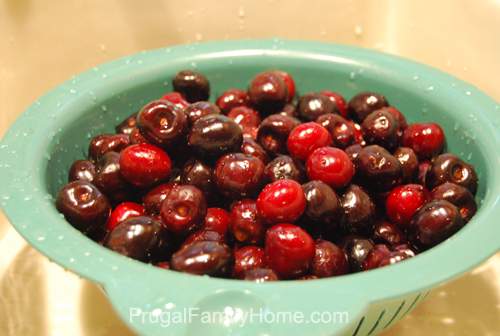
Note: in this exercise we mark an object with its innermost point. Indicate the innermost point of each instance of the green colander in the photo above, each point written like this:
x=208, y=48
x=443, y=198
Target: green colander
x=38, y=150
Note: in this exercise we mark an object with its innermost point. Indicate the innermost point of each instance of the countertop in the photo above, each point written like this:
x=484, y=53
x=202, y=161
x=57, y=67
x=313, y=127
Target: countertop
x=44, y=43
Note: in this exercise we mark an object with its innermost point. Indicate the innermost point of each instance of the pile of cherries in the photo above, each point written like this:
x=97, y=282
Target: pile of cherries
x=265, y=185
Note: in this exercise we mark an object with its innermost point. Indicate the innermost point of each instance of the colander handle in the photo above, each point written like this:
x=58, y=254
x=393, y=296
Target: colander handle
x=219, y=308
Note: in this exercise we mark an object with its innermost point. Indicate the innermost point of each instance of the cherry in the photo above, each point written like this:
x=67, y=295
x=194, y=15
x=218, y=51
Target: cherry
x=381, y=128
x=313, y=105
x=329, y=260
x=238, y=175
x=307, y=137
x=268, y=92
x=459, y=196
x=193, y=85
x=246, y=225
x=330, y=165
x=341, y=130
x=289, y=250
x=109, y=178
x=183, y=209
x=357, y=250
x=289, y=82
x=202, y=235
x=83, y=206
x=388, y=233
x=409, y=163
x=426, y=139
x=359, y=210
x=162, y=123
x=274, y=131
x=378, y=169
x=281, y=201
x=127, y=125
x=176, y=99
x=202, y=257
x=403, y=201
x=252, y=147
x=82, y=170
x=434, y=222
x=322, y=203
x=200, y=109
x=144, y=165
x=449, y=168
x=260, y=275
x=247, y=258
x=365, y=103
x=246, y=117
x=198, y=173
x=284, y=167
x=124, y=211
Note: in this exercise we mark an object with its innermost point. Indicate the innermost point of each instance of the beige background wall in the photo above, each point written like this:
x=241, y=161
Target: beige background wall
x=43, y=42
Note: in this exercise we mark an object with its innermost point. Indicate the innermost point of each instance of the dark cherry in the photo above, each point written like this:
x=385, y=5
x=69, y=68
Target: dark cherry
x=202, y=235
x=330, y=165
x=281, y=201
x=357, y=250
x=399, y=253
x=202, y=257
x=137, y=237
x=122, y=212
x=201, y=175
x=218, y=220
x=381, y=128
x=183, y=209
x=329, y=260
x=450, y=168
x=268, y=92
x=358, y=133
x=109, y=178
x=307, y=137
x=365, y=103
x=289, y=82
x=435, y=222
x=381, y=255
x=246, y=225
x=82, y=170
x=214, y=135
x=459, y=196
x=127, y=125
x=322, y=203
x=177, y=99
x=154, y=198
x=289, y=250
x=284, y=167
x=409, y=163
x=162, y=123
x=353, y=152
x=238, y=175
x=403, y=201
x=247, y=118
x=338, y=100
x=101, y=144
x=359, y=210
x=313, y=105
x=341, y=130
x=83, y=206
x=232, y=98
x=260, y=275
x=426, y=139
x=388, y=233
x=193, y=85
x=378, y=169
x=200, y=109
x=273, y=133
x=144, y=165
x=252, y=147
x=247, y=258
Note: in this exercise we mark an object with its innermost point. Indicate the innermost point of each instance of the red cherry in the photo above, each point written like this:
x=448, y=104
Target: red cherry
x=338, y=100
x=426, y=139
x=122, y=212
x=330, y=165
x=403, y=201
x=247, y=258
x=307, y=137
x=176, y=98
x=144, y=165
x=290, y=83
x=281, y=201
x=218, y=220
x=289, y=250
x=246, y=117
